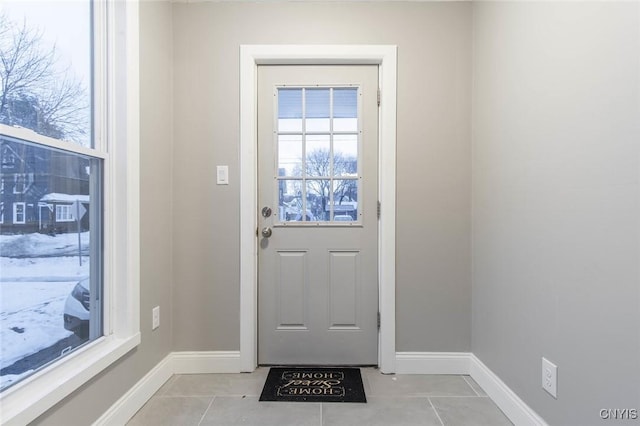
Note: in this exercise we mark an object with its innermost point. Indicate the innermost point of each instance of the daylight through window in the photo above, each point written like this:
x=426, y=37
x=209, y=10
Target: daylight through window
x=318, y=155
x=51, y=175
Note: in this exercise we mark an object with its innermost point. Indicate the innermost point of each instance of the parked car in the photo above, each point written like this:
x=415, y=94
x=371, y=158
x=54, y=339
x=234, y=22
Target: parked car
x=76, y=310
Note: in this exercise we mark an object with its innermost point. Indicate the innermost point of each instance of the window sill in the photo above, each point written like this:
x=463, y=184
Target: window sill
x=30, y=398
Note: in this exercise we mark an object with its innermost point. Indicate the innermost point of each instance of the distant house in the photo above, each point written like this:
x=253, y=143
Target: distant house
x=57, y=212
x=38, y=187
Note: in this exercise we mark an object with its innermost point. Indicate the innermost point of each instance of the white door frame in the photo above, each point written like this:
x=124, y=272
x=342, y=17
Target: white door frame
x=385, y=56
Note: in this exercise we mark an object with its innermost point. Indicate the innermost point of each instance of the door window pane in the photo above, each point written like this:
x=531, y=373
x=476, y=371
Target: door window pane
x=345, y=155
x=318, y=158
x=290, y=200
x=345, y=110
x=327, y=179
x=290, y=155
x=290, y=110
x=345, y=200
x=318, y=198
x=317, y=110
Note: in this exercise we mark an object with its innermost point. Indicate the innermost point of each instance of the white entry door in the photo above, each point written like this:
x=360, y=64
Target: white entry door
x=318, y=222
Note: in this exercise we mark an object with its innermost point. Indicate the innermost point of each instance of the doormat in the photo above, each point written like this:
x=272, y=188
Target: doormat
x=314, y=385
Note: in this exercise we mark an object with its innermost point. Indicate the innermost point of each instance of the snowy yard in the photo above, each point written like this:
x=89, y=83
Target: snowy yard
x=37, y=273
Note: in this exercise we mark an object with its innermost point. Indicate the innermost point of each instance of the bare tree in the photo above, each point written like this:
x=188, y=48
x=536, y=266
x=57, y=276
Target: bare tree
x=36, y=92
x=318, y=163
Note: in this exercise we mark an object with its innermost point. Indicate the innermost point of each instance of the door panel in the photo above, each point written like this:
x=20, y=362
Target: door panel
x=318, y=173
x=344, y=288
x=292, y=281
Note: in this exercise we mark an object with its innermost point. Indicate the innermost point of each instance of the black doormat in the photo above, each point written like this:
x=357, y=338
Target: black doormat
x=314, y=385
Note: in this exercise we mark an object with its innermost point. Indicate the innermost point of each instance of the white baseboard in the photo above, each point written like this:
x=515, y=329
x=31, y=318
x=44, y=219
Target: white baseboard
x=174, y=363
x=432, y=362
x=206, y=362
x=406, y=363
x=464, y=363
x=511, y=405
x=129, y=404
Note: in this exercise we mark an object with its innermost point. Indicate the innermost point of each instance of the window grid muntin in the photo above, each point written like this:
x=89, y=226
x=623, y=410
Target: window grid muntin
x=304, y=177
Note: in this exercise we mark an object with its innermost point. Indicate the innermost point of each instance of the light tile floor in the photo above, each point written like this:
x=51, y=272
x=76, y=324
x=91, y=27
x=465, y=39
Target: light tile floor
x=403, y=399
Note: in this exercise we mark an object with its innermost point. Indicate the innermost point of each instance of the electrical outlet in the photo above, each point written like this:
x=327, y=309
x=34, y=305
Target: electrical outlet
x=550, y=377
x=155, y=315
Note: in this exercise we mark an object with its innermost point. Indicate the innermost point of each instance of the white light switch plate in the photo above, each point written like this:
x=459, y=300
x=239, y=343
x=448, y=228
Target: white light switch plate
x=222, y=173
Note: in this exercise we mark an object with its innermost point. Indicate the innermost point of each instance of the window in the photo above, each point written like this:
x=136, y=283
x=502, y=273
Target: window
x=22, y=182
x=59, y=148
x=1, y=212
x=18, y=218
x=8, y=158
x=318, y=154
x=63, y=213
x=53, y=315
x=18, y=184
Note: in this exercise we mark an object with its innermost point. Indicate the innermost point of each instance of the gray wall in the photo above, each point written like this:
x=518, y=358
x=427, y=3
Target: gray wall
x=554, y=161
x=556, y=112
x=433, y=154
x=189, y=237
x=90, y=401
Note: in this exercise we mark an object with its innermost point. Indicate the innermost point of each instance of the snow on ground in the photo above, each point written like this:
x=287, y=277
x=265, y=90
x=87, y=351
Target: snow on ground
x=42, y=269
x=42, y=245
x=37, y=273
x=30, y=324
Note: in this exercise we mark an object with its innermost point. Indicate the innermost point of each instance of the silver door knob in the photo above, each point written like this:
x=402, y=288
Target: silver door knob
x=266, y=232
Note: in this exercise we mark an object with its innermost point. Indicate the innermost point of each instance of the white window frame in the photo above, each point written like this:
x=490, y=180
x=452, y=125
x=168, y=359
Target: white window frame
x=63, y=213
x=17, y=178
x=117, y=141
x=15, y=213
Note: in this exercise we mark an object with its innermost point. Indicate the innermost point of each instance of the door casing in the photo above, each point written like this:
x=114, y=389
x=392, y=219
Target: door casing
x=385, y=56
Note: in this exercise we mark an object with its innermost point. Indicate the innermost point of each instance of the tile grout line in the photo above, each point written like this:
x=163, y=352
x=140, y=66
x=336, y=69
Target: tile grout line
x=428, y=395
x=472, y=388
x=435, y=411
x=206, y=411
x=192, y=396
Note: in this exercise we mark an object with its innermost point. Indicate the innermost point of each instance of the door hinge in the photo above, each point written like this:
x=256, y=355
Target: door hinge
x=378, y=320
x=378, y=96
x=379, y=209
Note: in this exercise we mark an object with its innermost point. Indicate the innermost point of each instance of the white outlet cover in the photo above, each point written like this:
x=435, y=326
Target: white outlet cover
x=155, y=318
x=550, y=377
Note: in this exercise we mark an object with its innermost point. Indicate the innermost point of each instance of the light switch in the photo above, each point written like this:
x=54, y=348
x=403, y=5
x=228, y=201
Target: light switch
x=222, y=175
